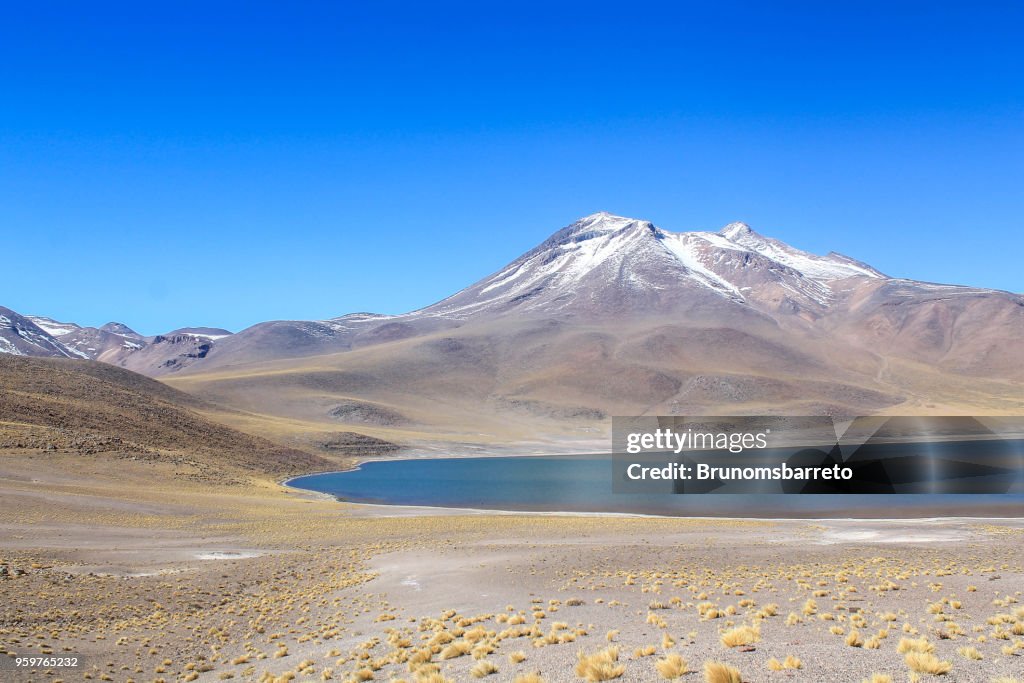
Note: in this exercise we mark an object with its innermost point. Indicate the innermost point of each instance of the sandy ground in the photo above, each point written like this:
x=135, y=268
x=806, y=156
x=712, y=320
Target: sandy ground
x=160, y=578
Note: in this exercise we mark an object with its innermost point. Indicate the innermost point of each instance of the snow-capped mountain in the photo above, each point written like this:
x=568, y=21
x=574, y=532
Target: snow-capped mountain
x=52, y=327
x=616, y=316
x=22, y=336
x=114, y=342
x=605, y=270
x=609, y=264
x=121, y=330
x=101, y=343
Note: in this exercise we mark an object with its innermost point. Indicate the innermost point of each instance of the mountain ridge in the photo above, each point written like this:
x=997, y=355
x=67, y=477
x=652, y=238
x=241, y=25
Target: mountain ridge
x=602, y=267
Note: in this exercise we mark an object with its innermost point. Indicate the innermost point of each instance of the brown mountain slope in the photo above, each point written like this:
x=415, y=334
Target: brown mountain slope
x=515, y=382
x=91, y=407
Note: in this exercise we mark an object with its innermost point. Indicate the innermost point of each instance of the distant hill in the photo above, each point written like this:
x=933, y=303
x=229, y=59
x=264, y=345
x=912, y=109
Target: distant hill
x=20, y=335
x=115, y=343
x=91, y=407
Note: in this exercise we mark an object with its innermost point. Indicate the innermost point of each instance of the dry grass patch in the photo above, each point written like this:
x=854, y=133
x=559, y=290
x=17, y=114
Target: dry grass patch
x=970, y=653
x=878, y=678
x=927, y=663
x=600, y=666
x=741, y=635
x=456, y=649
x=720, y=672
x=528, y=678
x=790, y=662
x=920, y=645
x=433, y=677
x=672, y=667
x=483, y=668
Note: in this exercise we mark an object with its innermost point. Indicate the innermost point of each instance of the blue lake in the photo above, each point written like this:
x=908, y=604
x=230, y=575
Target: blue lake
x=583, y=483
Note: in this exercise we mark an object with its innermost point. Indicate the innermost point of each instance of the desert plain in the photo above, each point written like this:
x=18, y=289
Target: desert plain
x=151, y=574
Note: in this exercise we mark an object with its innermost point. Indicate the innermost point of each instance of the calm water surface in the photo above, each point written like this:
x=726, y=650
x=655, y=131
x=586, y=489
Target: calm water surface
x=582, y=483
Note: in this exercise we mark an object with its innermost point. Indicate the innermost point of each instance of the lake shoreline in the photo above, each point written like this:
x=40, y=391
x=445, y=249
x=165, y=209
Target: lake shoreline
x=925, y=510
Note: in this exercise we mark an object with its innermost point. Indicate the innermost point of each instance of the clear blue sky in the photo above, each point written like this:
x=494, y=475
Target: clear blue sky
x=178, y=163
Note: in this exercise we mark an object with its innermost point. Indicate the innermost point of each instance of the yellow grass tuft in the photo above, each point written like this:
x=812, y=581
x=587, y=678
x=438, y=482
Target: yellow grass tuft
x=920, y=645
x=720, y=672
x=927, y=663
x=483, y=668
x=481, y=650
x=970, y=653
x=517, y=657
x=790, y=662
x=878, y=678
x=600, y=666
x=528, y=678
x=456, y=649
x=672, y=667
x=741, y=635
x=441, y=638
x=853, y=639
x=433, y=677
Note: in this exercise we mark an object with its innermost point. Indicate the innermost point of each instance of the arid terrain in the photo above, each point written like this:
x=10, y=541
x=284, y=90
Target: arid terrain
x=162, y=558
x=153, y=576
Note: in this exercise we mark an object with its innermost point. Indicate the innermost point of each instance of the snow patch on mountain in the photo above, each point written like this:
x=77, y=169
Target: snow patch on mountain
x=9, y=348
x=24, y=337
x=828, y=268
x=682, y=247
x=53, y=327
